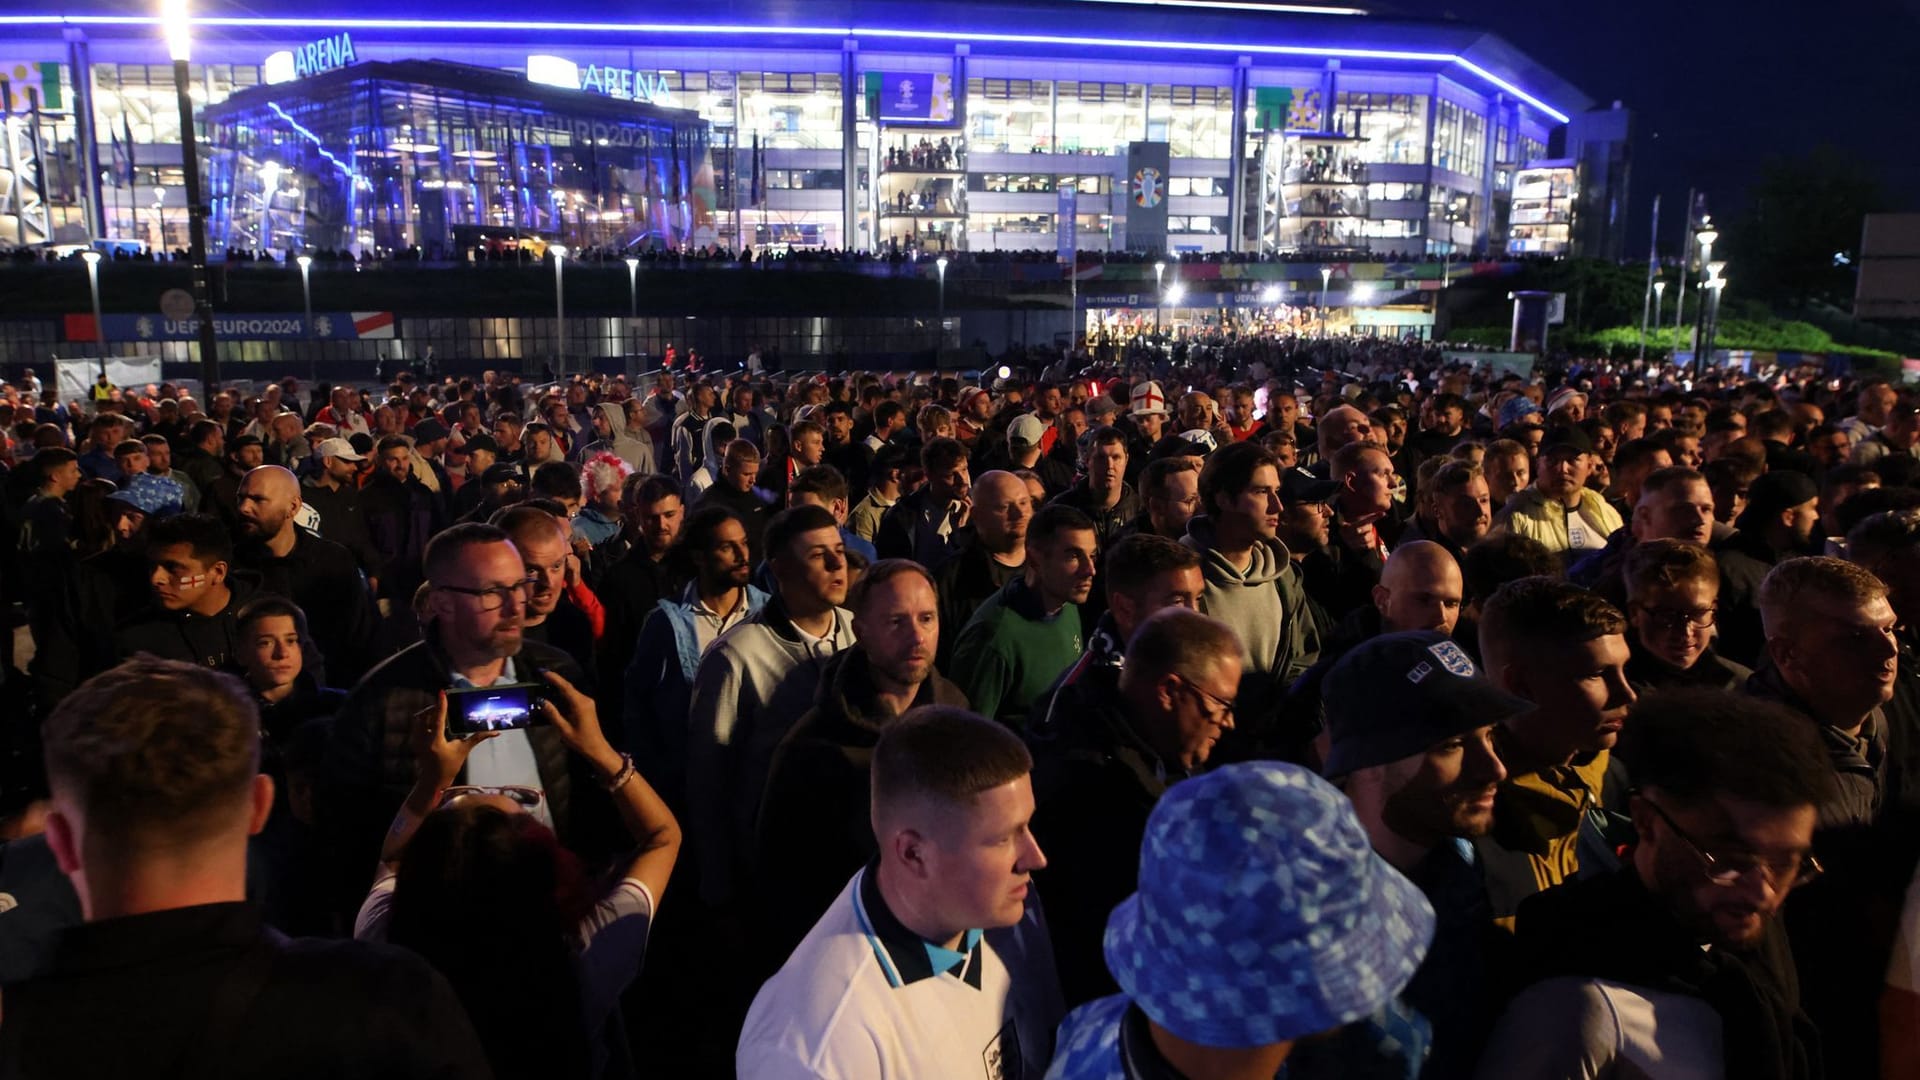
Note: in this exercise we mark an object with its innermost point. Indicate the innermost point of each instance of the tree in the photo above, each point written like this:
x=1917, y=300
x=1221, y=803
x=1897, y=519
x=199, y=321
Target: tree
x=1800, y=213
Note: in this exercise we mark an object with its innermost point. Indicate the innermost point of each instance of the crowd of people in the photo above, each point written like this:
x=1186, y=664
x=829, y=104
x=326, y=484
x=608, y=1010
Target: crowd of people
x=1280, y=708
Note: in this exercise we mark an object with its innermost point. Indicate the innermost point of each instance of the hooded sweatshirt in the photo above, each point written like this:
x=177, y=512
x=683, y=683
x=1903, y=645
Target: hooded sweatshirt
x=1266, y=604
x=636, y=452
x=712, y=458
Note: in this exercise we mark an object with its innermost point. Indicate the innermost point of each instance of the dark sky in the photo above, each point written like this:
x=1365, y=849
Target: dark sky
x=1719, y=86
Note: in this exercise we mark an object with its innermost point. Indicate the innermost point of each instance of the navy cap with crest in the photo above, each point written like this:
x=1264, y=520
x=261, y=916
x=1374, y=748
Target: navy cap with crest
x=1396, y=695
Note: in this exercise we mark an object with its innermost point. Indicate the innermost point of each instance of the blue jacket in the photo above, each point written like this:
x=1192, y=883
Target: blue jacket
x=595, y=526
x=659, y=690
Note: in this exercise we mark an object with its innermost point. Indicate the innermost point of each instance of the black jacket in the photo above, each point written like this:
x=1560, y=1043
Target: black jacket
x=628, y=591
x=753, y=510
x=815, y=827
x=1107, y=521
x=323, y=578
x=210, y=989
x=208, y=640
x=342, y=520
x=368, y=766
x=964, y=582
x=1095, y=781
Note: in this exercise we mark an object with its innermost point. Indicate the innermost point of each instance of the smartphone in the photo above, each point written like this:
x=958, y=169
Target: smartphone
x=476, y=710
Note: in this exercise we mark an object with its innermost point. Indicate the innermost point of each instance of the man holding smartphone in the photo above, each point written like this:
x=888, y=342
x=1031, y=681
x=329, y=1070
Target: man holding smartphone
x=473, y=628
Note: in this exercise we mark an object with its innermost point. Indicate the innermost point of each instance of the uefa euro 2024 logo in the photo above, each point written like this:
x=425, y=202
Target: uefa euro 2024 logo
x=906, y=94
x=1148, y=188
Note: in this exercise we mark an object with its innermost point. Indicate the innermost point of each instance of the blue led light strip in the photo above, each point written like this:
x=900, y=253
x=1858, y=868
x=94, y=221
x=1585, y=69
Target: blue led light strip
x=521, y=26
x=314, y=139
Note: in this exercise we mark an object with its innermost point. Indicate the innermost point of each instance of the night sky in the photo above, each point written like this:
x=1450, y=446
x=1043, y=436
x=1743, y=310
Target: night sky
x=1718, y=86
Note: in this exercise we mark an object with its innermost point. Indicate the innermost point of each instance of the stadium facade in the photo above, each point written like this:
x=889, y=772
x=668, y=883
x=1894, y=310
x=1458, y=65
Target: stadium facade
x=1176, y=125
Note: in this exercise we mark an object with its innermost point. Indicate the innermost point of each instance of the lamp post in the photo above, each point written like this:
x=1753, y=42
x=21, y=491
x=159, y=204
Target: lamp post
x=1711, y=309
x=1659, y=296
x=633, y=292
x=1159, y=286
x=1326, y=278
x=306, y=294
x=559, y=252
x=179, y=34
x=99, y=325
x=940, y=329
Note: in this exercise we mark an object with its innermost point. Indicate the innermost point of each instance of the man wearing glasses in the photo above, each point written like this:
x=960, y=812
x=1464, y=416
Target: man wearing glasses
x=1099, y=774
x=1673, y=590
x=473, y=620
x=1676, y=964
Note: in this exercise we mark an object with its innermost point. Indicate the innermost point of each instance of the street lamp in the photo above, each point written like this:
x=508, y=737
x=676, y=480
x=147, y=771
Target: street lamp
x=633, y=287
x=1659, y=297
x=1326, y=278
x=940, y=331
x=1707, y=237
x=179, y=33
x=306, y=293
x=1159, y=287
x=99, y=324
x=559, y=253
x=1711, y=310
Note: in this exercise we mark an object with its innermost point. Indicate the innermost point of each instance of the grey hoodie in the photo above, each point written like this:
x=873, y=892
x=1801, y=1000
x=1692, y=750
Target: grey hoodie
x=1267, y=607
x=713, y=457
x=635, y=452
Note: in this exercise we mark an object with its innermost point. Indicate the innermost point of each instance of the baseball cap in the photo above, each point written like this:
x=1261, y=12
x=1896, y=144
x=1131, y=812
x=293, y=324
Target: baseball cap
x=481, y=442
x=428, y=430
x=501, y=472
x=1262, y=913
x=1395, y=695
x=339, y=448
x=1174, y=446
x=1201, y=440
x=1773, y=492
x=243, y=441
x=1564, y=437
x=1026, y=429
x=1301, y=486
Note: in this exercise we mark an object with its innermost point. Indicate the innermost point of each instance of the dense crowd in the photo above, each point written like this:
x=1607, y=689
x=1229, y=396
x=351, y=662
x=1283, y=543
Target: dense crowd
x=1280, y=707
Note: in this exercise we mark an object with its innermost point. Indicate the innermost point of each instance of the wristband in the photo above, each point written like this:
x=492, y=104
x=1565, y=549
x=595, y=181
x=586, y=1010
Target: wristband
x=626, y=773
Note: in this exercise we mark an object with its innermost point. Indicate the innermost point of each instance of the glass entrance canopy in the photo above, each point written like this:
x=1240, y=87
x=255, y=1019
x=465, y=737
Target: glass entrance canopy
x=382, y=157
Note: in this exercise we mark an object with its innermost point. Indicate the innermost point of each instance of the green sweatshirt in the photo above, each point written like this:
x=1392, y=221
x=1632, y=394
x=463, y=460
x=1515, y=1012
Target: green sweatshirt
x=1011, y=651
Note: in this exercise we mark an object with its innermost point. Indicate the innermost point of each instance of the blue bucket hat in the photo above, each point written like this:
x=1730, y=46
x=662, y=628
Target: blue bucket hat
x=1262, y=914
x=1517, y=408
x=153, y=496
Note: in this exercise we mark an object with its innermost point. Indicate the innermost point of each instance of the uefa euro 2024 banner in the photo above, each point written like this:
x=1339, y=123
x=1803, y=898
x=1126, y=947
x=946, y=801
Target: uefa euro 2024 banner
x=327, y=326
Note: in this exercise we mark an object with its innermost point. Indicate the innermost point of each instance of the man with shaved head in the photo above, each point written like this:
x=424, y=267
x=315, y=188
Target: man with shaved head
x=551, y=618
x=319, y=575
x=993, y=550
x=1342, y=426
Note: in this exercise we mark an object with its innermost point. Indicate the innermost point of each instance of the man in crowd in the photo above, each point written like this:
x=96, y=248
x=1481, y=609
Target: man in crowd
x=401, y=519
x=1026, y=439
x=825, y=487
x=1326, y=935
x=1873, y=405
x=157, y=790
x=1778, y=524
x=482, y=452
x=160, y=463
x=551, y=618
x=685, y=437
x=884, y=476
x=473, y=635
x=1169, y=496
x=1411, y=734
x=1675, y=962
x=1565, y=650
x=201, y=458
x=1675, y=504
x=923, y=526
x=1458, y=509
x=1560, y=510
x=676, y=633
x=1252, y=585
x=1099, y=774
x=815, y=821
x=1019, y=641
x=1142, y=574
x=1341, y=574
x=1632, y=464
x=735, y=490
x=652, y=511
x=946, y=909
x=752, y=685
x=315, y=573
x=993, y=553
x=1104, y=495
x=195, y=595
